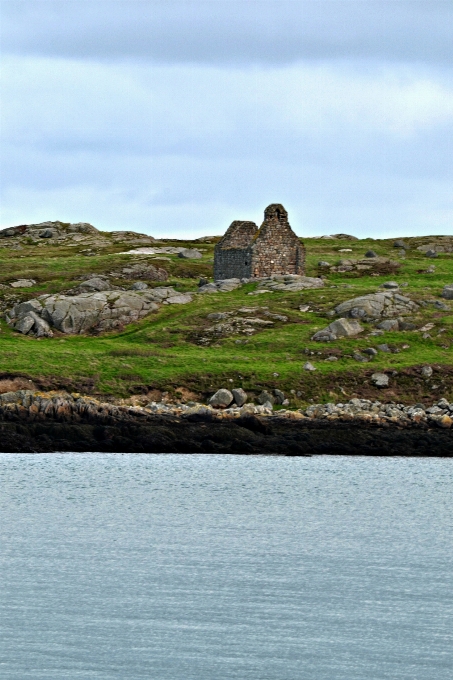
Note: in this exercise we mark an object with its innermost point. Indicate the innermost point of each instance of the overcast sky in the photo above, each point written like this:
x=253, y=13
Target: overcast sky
x=174, y=118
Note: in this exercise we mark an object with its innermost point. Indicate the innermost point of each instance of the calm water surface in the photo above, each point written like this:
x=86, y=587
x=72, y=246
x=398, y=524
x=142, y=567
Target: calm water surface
x=205, y=567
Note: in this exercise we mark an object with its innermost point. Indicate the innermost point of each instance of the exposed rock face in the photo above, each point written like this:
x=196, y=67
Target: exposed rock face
x=248, y=252
x=222, y=286
x=341, y=328
x=377, y=305
x=382, y=265
x=49, y=230
x=380, y=379
x=100, y=311
x=23, y=283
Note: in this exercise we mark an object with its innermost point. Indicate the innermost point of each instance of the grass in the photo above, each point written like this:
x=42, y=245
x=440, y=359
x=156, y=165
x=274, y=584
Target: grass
x=158, y=353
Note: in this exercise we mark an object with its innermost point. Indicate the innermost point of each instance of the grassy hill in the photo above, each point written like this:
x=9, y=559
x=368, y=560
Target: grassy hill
x=162, y=354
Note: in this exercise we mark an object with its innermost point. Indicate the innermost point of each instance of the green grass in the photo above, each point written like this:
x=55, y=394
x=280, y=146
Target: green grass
x=158, y=352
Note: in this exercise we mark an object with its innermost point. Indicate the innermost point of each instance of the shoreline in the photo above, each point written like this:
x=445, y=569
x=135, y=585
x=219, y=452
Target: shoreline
x=44, y=422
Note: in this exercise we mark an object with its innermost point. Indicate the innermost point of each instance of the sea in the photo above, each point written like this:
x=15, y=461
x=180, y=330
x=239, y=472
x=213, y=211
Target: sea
x=218, y=567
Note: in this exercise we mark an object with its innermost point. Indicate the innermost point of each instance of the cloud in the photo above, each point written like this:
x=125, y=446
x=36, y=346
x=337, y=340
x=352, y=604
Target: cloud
x=269, y=32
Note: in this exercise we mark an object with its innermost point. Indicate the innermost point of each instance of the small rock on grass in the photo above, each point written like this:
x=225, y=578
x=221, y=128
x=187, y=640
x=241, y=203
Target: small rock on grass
x=427, y=371
x=308, y=366
x=380, y=380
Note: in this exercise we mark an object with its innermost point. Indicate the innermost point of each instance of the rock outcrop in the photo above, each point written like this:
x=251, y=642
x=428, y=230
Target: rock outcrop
x=88, y=312
x=341, y=328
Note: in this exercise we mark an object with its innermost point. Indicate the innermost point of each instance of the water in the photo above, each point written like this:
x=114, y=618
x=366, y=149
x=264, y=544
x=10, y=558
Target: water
x=199, y=567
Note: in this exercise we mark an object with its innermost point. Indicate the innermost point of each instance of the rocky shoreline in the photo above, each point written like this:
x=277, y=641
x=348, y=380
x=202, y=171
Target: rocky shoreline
x=35, y=422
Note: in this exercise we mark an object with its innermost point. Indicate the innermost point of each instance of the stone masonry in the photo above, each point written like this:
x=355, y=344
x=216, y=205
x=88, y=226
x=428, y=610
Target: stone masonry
x=248, y=252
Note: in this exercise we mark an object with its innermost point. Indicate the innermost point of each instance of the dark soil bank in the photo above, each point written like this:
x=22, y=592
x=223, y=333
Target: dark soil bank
x=248, y=435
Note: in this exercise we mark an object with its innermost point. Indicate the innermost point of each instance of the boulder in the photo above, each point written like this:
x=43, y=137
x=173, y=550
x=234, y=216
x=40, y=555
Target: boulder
x=376, y=305
x=309, y=366
x=431, y=253
x=390, y=285
x=139, y=285
x=239, y=395
x=380, y=380
x=181, y=299
x=279, y=396
x=400, y=244
x=447, y=292
x=221, y=399
x=370, y=253
x=388, y=325
x=341, y=328
x=190, y=254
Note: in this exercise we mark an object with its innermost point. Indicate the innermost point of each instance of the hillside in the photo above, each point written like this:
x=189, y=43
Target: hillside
x=256, y=340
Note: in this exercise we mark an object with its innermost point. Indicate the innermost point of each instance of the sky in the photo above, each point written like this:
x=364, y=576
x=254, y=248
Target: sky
x=175, y=118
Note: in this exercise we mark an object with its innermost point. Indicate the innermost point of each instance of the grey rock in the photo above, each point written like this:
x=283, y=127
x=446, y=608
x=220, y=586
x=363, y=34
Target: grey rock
x=190, y=254
x=341, y=328
x=47, y=233
x=426, y=371
x=279, y=396
x=181, y=299
x=95, y=283
x=380, y=380
x=99, y=311
x=265, y=397
x=358, y=357
x=221, y=399
x=431, y=253
x=371, y=351
x=383, y=348
x=323, y=263
x=370, y=253
x=23, y=283
x=309, y=366
x=139, y=285
x=25, y=324
x=291, y=283
x=389, y=325
x=390, y=285
x=400, y=244
x=239, y=396
x=387, y=304
x=447, y=292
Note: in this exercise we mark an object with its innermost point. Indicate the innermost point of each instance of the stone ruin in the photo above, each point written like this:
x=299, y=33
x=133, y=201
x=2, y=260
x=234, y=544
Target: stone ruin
x=248, y=252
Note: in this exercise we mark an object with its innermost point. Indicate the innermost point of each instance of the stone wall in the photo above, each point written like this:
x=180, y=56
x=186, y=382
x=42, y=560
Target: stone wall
x=232, y=255
x=246, y=251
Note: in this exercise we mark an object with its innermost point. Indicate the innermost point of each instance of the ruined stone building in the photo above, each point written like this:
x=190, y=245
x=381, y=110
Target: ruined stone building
x=247, y=252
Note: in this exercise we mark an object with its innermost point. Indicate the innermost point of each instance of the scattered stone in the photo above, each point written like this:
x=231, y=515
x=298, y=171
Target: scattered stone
x=221, y=286
x=323, y=263
x=431, y=269
x=139, y=285
x=371, y=351
x=380, y=380
x=345, y=250
x=309, y=366
x=181, y=299
x=190, y=254
x=304, y=308
x=23, y=283
x=400, y=244
x=370, y=253
x=431, y=253
x=390, y=285
x=358, y=357
x=427, y=371
x=239, y=396
x=332, y=358
x=95, y=283
x=221, y=399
